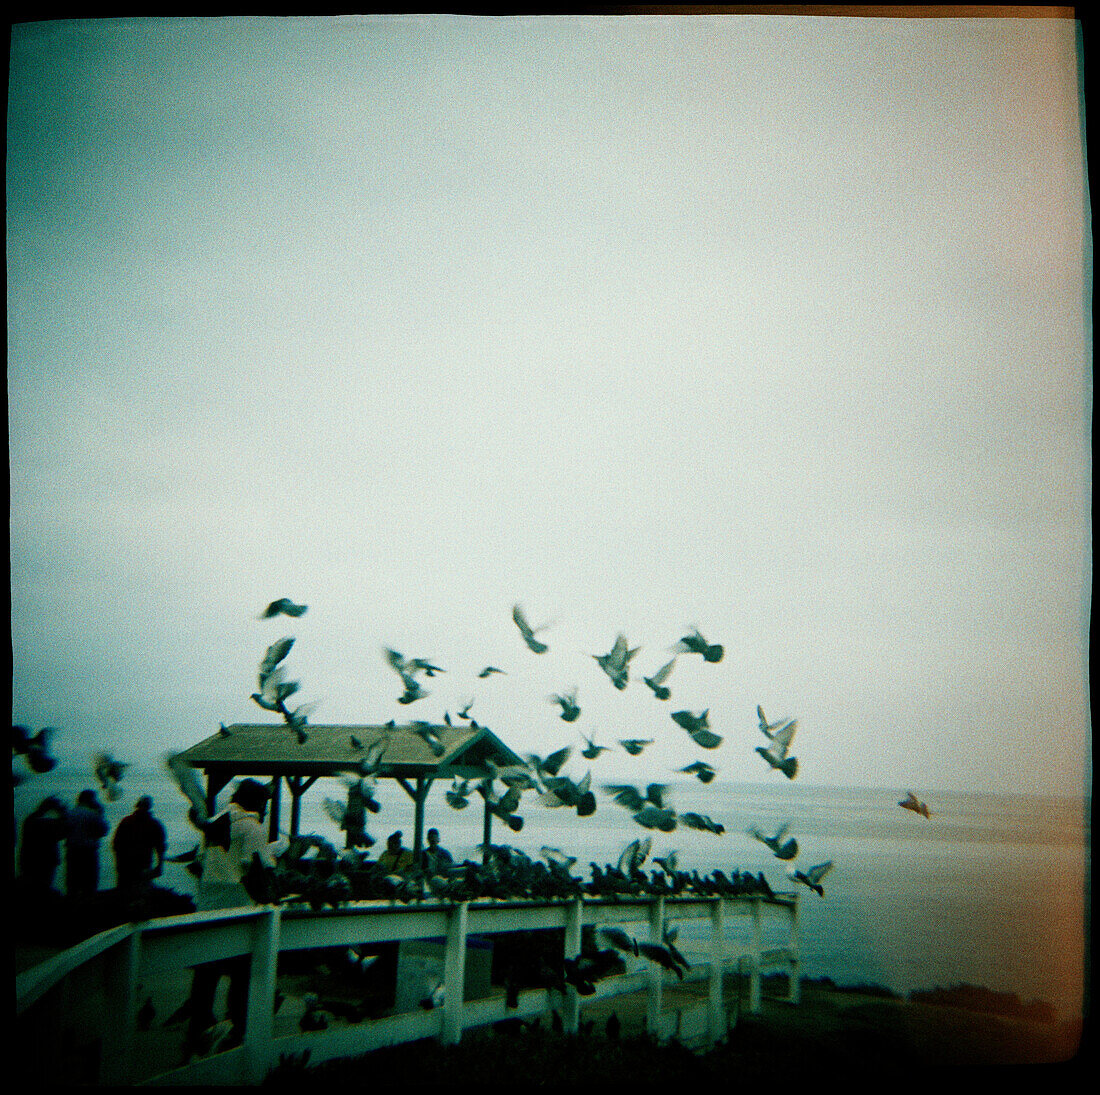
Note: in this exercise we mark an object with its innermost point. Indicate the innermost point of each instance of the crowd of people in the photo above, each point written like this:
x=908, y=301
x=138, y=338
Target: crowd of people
x=138, y=845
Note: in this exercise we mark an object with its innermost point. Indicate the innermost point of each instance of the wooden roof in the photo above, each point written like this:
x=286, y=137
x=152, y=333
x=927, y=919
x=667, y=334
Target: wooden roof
x=270, y=749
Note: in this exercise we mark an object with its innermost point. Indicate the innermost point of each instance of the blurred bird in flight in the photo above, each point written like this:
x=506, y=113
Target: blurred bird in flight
x=284, y=606
x=528, y=632
x=616, y=661
x=694, y=643
x=657, y=681
x=911, y=802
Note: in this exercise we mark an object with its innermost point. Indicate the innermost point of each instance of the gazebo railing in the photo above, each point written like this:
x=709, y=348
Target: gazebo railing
x=95, y=985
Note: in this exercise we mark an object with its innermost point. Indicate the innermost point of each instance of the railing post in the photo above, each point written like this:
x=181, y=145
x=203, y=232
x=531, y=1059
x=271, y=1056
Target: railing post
x=794, y=977
x=263, y=971
x=717, y=1026
x=572, y=1005
x=655, y=973
x=757, y=958
x=123, y=962
x=454, y=975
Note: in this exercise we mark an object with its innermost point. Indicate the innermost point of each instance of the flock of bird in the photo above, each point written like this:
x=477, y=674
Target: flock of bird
x=315, y=872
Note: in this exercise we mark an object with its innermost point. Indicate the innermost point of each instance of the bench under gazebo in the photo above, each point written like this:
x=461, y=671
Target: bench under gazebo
x=414, y=755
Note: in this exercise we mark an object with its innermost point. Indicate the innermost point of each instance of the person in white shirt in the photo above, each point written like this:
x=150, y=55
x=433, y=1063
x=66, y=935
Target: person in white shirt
x=233, y=838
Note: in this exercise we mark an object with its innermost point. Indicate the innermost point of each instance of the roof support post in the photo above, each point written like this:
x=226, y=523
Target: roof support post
x=486, y=831
x=273, y=818
x=422, y=786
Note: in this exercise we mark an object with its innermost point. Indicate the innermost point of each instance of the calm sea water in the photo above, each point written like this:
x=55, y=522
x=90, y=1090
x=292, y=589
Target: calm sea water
x=989, y=891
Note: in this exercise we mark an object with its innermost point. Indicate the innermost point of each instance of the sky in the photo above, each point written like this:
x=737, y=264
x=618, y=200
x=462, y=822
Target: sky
x=774, y=326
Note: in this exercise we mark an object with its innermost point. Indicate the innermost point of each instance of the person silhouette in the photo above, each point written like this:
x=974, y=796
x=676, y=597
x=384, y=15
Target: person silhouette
x=138, y=845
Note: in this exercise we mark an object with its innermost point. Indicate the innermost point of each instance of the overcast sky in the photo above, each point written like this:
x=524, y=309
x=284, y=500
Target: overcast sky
x=774, y=326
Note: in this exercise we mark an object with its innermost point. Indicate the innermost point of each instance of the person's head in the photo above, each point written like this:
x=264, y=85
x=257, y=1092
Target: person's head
x=144, y=805
x=393, y=842
x=250, y=795
x=433, y=837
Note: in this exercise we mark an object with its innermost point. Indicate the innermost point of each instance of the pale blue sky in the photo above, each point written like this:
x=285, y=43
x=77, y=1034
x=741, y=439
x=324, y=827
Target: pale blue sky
x=772, y=325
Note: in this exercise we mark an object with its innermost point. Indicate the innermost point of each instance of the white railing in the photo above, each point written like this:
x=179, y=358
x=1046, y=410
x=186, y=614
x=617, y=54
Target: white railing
x=93, y=988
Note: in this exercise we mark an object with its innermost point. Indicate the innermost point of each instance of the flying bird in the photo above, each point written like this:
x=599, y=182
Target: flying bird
x=458, y=796
x=568, y=703
x=812, y=876
x=430, y=736
x=698, y=727
x=701, y=821
x=592, y=750
x=274, y=654
x=635, y=745
x=274, y=689
x=34, y=747
x=776, y=756
x=488, y=671
x=694, y=643
x=108, y=772
x=616, y=661
x=781, y=849
x=911, y=802
x=284, y=606
x=464, y=711
x=528, y=632
x=657, y=681
x=634, y=855
x=701, y=771
x=765, y=726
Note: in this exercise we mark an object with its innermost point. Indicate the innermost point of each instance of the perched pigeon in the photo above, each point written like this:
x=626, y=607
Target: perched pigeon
x=528, y=632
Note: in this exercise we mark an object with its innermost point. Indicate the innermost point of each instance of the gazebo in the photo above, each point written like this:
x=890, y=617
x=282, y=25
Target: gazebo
x=415, y=755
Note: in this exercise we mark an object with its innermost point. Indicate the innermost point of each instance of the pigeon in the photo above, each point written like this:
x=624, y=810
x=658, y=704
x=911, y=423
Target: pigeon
x=430, y=736
x=616, y=661
x=551, y=765
x=592, y=750
x=413, y=692
x=911, y=802
x=464, y=710
x=781, y=849
x=635, y=745
x=458, y=796
x=698, y=728
x=657, y=681
x=634, y=855
x=702, y=771
x=776, y=755
x=108, y=772
x=488, y=671
x=568, y=703
x=274, y=654
x=528, y=632
x=626, y=795
x=812, y=876
x=34, y=747
x=659, y=953
x=620, y=940
x=557, y=857
x=284, y=606
x=701, y=821
x=694, y=643
x=767, y=727
x=656, y=817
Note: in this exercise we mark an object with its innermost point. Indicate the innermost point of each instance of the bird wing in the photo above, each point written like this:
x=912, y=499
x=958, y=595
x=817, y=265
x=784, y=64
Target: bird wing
x=274, y=654
x=187, y=780
x=662, y=674
x=785, y=735
x=625, y=795
x=818, y=872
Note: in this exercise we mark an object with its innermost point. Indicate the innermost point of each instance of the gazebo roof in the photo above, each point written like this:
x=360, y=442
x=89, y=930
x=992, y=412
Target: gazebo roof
x=274, y=749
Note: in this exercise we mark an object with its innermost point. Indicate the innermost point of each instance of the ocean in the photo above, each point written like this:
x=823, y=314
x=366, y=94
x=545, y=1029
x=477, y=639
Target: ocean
x=990, y=890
